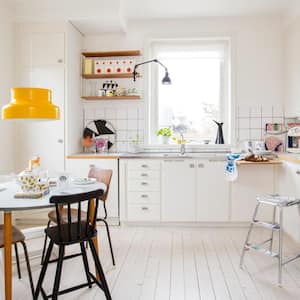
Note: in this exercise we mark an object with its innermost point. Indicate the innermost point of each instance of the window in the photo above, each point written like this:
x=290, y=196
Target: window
x=199, y=93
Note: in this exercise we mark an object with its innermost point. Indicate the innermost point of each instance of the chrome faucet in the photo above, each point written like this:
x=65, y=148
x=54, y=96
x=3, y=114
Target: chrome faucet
x=182, y=144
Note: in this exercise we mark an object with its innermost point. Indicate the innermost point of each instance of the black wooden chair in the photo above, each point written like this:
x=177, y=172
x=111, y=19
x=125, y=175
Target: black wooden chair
x=18, y=237
x=74, y=231
x=101, y=175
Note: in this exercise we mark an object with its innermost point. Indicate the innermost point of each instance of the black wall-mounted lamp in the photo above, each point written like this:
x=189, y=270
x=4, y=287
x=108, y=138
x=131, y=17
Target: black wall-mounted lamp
x=165, y=80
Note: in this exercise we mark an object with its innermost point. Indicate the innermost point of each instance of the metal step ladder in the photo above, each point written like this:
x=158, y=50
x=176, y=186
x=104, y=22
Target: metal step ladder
x=278, y=202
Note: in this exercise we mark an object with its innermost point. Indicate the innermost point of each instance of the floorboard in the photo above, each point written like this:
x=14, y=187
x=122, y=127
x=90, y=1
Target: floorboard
x=173, y=263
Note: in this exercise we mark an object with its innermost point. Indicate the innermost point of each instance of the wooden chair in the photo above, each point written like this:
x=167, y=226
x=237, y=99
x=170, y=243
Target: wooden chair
x=101, y=175
x=18, y=237
x=70, y=233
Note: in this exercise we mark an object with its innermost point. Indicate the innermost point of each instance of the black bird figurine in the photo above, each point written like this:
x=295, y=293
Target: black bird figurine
x=220, y=136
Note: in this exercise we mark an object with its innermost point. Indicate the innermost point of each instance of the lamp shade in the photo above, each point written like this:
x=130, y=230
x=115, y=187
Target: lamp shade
x=166, y=80
x=31, y=103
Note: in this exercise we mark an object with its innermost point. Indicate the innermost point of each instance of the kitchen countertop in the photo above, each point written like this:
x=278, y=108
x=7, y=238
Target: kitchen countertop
x=290, y=157
x=151, y=155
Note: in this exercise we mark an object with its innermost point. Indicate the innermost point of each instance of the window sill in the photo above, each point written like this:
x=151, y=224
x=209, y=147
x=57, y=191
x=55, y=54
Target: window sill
x=188, y=148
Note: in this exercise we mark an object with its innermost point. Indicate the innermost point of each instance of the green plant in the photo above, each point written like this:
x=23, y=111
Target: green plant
x=136, y=140
x=166, y=131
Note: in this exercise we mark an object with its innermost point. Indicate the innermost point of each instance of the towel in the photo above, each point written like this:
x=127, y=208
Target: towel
x=231, y=169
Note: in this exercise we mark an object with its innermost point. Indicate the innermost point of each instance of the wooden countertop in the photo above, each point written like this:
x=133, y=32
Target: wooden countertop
x=92, y=156
x=290, y=157
x=270, y=162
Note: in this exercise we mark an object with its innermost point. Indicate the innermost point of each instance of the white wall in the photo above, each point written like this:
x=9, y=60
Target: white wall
x=292, y=67
x=74, y=108
x=257, y=54
x=6, y=82
x=257, y=45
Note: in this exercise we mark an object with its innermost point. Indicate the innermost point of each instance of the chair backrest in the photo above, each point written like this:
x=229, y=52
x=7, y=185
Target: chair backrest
x=102, y=175
x=82, y=227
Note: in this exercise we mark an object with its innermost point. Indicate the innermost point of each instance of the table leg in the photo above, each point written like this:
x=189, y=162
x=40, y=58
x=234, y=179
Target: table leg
x=95, y=240
x=7, y=255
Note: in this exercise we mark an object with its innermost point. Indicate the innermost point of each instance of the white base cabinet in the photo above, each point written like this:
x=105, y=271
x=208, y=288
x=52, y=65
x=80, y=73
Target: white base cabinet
x=81, y=167
x=288, y=183
x=252, y=181
x=179, y=191
x=174, y=190
x=213, y=191
x=140, y=186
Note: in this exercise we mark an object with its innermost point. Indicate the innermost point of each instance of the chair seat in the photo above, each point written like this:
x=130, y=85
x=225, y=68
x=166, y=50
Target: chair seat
x=278, y=200
x=64, y=215
x=17, y=235
x=70, y=236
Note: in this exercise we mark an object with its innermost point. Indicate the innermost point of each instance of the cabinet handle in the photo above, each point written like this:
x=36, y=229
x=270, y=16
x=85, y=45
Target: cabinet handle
x=92, y=166
x=60, y=61
x=60, y=141
x=192, y=166
x=298, y=172
x=144, y=196
x=201, y=166
x=144, y=183
x=144, y=174
x=144, y=166
x=145, y=208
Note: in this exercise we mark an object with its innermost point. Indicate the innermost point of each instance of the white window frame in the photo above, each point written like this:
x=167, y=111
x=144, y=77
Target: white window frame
x=150, y=88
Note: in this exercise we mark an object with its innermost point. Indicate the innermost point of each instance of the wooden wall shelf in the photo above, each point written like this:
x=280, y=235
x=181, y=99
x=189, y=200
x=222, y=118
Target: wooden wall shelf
x=111, y=98
x=112, y=53
x=111, y=75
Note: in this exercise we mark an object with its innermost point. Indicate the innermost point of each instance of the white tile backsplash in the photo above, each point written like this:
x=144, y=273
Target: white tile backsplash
x=132, y=124
x=251, y=120
x=121, y=114
x=110, y=114
x=255, y=111
x=132, y=113
x=256, y=123
x=126, y=118
x=244, y=123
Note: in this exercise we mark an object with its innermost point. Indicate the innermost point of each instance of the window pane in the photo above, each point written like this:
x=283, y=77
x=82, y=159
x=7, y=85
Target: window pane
x=193, y=100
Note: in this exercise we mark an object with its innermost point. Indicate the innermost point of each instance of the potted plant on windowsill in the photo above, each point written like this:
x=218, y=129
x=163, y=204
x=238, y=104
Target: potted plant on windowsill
x=165, y=134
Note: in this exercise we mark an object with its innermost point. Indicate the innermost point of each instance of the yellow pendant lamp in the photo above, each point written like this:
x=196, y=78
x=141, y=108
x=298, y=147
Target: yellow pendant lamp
x=30, y=103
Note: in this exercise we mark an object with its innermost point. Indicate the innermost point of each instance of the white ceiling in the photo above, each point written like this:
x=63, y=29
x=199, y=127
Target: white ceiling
x=97, y=16
x=194, y=8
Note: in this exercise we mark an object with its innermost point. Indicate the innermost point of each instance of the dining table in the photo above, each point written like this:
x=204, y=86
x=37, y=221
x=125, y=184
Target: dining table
x=9, y=203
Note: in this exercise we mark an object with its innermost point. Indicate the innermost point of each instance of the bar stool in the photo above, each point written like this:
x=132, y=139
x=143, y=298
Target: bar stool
x=278, y=202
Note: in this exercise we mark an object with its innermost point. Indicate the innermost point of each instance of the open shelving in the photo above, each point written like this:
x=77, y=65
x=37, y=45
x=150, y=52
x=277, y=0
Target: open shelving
x=111, y=98
x=111, y=75
x=109, y=54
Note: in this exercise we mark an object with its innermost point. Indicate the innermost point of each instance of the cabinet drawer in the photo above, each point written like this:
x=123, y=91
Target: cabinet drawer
x=143, y=185
x=143, y=212
x=143, y=164
x=143, y=197
x=144, y=174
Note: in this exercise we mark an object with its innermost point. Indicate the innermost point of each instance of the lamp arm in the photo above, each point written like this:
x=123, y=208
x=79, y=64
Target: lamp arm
x=147, y=62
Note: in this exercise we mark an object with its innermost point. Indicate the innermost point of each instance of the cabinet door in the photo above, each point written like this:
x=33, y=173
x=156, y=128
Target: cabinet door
x=212, y=192
x=288, y=180
x=179, y=191
x=47, y=49
x=45, y=138
x=81, y=167
x=252, y=181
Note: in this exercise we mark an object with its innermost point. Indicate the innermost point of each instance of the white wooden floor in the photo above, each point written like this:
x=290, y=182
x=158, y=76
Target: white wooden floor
x=177, y=264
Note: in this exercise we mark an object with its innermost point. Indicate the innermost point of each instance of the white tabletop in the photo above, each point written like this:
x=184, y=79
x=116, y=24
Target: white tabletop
x=9, y=203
